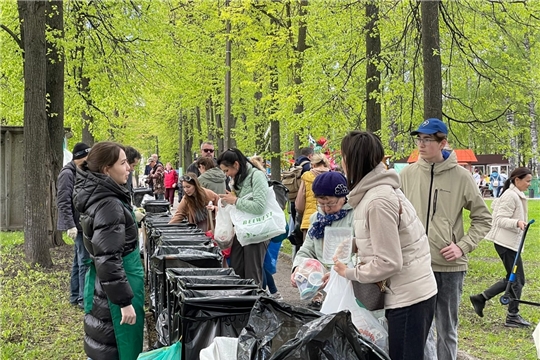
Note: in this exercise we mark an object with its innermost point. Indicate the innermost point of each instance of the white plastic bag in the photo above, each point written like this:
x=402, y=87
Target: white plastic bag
x=335, y=290
x=222, y=348
x=224, y=230
x=536, y=337
x=254, y=229
x=340, y=296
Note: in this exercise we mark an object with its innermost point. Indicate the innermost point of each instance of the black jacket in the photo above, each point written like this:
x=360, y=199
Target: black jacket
x=109, y=233
x=303, y=159
x=68, y=216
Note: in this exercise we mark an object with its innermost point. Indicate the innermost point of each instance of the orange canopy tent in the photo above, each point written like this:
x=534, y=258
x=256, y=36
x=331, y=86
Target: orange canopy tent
x=465, y=157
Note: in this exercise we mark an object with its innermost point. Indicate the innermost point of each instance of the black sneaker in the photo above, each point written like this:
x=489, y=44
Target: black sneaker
x=478, y=302
x=516, y=321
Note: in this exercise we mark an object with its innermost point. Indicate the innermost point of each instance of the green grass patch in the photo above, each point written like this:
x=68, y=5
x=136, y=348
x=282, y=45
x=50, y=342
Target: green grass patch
x=36, y=319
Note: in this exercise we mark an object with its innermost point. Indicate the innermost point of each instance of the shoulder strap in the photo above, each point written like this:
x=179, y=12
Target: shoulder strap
x=303, y=163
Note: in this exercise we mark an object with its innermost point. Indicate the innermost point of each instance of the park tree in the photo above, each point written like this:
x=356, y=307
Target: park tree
x=43, y=125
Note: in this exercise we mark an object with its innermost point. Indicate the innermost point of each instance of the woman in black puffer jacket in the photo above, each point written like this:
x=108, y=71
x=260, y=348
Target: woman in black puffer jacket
x=114, y=291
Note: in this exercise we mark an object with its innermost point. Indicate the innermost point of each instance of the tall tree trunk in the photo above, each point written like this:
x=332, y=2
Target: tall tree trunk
x=513, y=159
x=88, y=119
x=210, y=119
x=534, y=138
x=55, y=111
x=260, y=124
x=300, y=47
x=221, y=143
x=432, y=59
x=198, y=123
x=373, y=74
x=181, y=152
x=227, y=111
x=37, y=147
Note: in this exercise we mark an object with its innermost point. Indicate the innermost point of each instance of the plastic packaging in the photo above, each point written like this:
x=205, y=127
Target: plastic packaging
x=308, y=278
x=337, y=242
x=224, y=230
x=165, y=353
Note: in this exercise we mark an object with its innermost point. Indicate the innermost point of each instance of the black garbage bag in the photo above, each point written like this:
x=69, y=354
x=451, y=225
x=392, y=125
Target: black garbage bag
x=203, y=319
x=138, y=194
x=157, y=206
x=271, y=324
x=330, y=337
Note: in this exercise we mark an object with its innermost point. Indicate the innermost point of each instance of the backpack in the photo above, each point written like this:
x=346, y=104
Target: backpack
x=281, y=193
x=291, y=179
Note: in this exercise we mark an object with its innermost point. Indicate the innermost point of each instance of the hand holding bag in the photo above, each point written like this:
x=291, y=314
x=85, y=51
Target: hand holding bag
x=224, y=231
x=371, y=296
x=254, y=229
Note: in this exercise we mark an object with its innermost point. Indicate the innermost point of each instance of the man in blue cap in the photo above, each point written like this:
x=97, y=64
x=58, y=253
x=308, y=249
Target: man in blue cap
x=439, y=190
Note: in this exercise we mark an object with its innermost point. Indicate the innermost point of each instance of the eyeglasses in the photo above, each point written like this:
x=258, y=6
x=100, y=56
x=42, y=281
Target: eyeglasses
x=328, y=206
x=187, y=178
x=208, y=150
x=425, y=141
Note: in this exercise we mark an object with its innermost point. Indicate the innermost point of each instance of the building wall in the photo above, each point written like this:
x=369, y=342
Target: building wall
x=12, y=178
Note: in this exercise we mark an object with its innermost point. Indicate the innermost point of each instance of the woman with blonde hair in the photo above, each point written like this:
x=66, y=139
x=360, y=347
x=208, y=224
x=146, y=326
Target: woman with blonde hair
x=193, y=204
x=305, y=203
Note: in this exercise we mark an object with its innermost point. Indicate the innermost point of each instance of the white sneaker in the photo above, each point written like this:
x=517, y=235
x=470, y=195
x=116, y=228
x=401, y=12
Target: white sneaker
x=276, y=296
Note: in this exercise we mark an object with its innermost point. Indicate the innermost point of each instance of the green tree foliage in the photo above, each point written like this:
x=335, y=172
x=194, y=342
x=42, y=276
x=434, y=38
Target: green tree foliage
x=148, y=62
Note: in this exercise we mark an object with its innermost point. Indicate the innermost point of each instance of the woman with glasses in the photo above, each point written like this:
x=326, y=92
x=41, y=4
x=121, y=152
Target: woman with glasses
x=330, y=193
x=305, y=202
x=249, y=191
x=114, y=292
x=193, y=205
x=391, y=243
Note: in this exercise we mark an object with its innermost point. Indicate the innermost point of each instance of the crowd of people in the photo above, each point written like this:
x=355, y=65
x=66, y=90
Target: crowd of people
x=408, y=231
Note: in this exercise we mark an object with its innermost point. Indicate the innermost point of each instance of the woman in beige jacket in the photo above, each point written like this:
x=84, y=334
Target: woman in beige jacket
x=193, y=205
x=509, y=221
x=392, y=245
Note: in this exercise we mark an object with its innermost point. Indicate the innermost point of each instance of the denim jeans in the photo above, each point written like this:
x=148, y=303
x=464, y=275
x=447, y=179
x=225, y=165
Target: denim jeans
x=507, y=256
x=78, y=270
x=450, y=288
x=268, y=280
x=408, y=328
x=496, y=191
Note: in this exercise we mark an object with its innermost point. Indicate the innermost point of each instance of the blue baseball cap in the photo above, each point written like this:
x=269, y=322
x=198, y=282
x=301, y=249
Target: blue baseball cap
x=431, y=126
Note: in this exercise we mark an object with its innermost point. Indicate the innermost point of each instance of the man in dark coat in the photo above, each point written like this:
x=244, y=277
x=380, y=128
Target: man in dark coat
x=68, y=220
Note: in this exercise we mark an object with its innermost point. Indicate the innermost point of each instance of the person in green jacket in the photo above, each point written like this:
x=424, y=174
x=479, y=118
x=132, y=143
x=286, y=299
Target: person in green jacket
x=330, y=190
x=439, y=189
x=246, y=179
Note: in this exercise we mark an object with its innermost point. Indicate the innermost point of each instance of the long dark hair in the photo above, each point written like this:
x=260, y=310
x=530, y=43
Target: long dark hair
x=362, y=152
x=197, y=201
x=518, y=173
x=228, y=158
x=102, y=154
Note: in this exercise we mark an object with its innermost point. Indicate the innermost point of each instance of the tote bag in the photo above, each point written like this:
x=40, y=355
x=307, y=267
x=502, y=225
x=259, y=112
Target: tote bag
x=254, y=229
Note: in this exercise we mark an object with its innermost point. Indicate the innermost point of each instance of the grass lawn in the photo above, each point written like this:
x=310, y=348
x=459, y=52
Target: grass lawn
x=37, y=321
